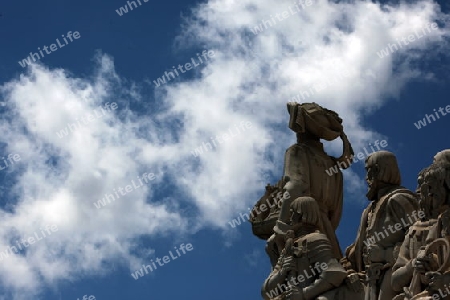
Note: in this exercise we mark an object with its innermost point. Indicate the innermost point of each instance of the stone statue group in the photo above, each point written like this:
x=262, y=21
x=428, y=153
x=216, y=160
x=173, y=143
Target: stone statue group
x=401, y=250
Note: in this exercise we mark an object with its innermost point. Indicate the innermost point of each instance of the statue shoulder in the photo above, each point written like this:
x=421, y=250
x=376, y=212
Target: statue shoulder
x=296, y=147
x=403, y=198
x=402, y=194
x=312, y=244
x=312, y=237
x=317, y=237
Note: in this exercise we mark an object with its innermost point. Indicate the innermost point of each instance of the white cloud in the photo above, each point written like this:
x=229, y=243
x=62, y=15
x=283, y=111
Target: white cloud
x=60, y=178
x=342, y=40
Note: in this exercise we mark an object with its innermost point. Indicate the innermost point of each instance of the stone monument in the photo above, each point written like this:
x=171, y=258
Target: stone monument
x=402, y=248
x=306, y=268
x=384, y=223
x=422, y=267
x=304, y=174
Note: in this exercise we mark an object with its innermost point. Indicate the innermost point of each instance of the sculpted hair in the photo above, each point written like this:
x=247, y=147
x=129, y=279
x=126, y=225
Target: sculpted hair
x=386, y=166
x=308, y=208
x=439, y=172
x=442, y=157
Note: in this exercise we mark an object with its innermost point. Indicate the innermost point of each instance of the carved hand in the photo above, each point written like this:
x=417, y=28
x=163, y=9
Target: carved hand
x=376, y=253
x=295, y=293
x=438, y=281
x=423, y=264
x=354, y=282
x=287, y=265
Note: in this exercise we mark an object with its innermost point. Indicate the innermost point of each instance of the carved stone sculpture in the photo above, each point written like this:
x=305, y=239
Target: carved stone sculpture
x=306, y=268
x=402, y=248
x=422, y=268
x=305, y=174
x=405, y=276
x=442, y=157
x=384, y=223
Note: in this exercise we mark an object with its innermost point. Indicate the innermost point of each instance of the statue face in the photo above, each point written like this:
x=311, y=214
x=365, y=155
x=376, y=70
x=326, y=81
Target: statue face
x=372, y=181
x=419, y=183
x=295, y=221
x=432, y=196
x=445, y=219
x=295, y=217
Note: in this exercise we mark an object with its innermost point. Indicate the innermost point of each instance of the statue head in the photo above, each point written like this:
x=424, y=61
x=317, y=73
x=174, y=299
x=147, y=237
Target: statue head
x=420, y=180
x=305, y=212
x=312, y=121
x=442, y=157
x=381, y=171
x=435, y=189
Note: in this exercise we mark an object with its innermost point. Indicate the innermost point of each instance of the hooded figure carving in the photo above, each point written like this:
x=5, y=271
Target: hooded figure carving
x=375, y=249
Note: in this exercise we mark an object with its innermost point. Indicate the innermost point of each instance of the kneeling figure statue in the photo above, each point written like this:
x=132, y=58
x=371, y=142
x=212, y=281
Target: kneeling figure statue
x=306, y=268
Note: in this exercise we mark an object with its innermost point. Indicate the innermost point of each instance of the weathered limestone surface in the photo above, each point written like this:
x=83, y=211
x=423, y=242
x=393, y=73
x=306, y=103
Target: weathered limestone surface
x=402, y=248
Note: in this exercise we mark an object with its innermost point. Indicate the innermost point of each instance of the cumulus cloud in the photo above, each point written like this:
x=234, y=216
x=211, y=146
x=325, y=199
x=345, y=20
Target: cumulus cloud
x=325, y=52
x=59, y=178
x=327, y=49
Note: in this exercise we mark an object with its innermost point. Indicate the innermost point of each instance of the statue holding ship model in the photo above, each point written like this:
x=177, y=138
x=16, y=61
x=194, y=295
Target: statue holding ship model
x=402, y=249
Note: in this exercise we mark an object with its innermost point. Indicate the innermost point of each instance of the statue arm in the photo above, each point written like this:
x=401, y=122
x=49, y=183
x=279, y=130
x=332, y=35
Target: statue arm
x=336, y=206
x=400, y=209
x=402, y=271
x=353, y=258
x=328, y=280
x=348, y=261
x=296, y=177
x=332, y=273
x=400, y=206
x=271, y=283
x=336, y=214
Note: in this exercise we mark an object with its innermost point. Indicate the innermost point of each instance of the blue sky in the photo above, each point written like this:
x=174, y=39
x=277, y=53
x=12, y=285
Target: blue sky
x=248, y=79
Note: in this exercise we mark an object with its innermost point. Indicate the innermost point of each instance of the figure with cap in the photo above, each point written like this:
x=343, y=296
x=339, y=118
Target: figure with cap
x=306, y=268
